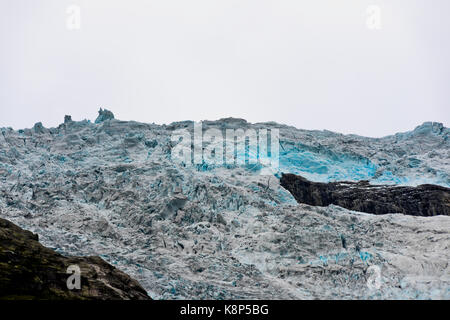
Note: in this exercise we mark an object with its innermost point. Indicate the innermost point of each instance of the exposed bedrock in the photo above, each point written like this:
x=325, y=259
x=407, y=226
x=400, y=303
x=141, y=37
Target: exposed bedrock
x=423, y=200
x=28, y=270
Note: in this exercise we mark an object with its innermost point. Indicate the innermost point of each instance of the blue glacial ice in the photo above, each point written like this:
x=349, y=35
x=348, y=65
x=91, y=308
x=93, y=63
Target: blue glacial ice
x=323, y=165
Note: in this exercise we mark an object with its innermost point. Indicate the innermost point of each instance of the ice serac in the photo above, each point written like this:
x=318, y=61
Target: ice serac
x=104, y=115
x=423, y=200
x=28, y=270
x=67, y=119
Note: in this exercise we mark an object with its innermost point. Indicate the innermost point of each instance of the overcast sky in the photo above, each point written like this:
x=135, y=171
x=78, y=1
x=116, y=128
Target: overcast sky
x=312, y=64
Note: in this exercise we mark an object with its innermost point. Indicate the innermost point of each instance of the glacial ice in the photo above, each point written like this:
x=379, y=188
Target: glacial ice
x=325, y=167
x=111, y=189
x=103, y=115
x=403, y=159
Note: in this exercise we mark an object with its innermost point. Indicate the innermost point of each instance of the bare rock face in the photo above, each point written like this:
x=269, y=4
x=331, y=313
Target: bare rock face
x=423, y=200
x=29, y=270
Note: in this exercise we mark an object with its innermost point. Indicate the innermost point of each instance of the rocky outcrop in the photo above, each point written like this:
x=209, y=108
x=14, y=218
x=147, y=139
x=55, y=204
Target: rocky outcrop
x=28, y=270
x=423, y=200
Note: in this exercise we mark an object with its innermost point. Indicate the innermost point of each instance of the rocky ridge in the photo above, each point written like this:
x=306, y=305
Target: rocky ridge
x=424, y=200
x=29, y=270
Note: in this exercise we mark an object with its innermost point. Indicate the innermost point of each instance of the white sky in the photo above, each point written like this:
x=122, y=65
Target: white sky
x=312, y=64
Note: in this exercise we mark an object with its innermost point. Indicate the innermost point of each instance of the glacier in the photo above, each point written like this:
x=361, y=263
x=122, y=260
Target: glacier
x=110, y=188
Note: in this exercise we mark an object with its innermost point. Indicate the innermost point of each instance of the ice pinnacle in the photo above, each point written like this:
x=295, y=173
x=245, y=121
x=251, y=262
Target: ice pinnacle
x=104, y=115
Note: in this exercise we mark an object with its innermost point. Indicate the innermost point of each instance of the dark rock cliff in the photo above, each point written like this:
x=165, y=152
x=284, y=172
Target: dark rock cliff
x=28, y=270
x=423, y=200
